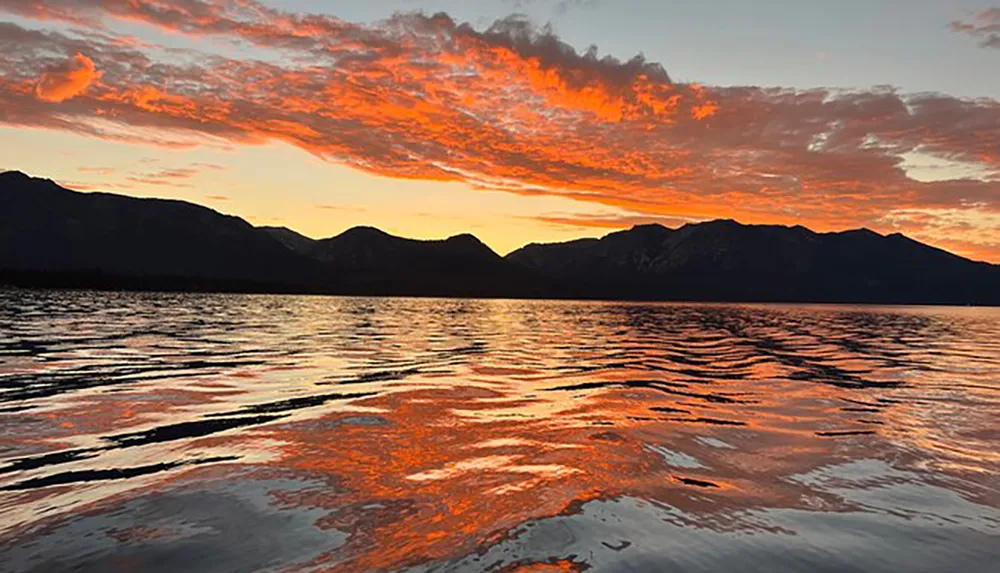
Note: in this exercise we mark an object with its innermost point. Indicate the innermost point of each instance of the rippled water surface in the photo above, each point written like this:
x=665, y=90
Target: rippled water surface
x=158, y=432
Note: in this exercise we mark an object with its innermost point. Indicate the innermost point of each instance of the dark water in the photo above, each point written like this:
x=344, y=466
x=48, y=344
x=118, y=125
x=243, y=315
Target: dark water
x=149, y=432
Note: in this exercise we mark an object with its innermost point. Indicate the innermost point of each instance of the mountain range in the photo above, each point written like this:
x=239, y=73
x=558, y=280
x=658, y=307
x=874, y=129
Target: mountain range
x=55, y=237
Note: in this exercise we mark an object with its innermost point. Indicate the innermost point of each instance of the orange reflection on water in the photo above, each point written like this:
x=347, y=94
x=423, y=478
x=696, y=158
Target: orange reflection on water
x=411, y=433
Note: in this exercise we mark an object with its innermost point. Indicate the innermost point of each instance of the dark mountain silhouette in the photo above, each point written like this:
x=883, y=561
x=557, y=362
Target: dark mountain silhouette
x=51, y=236
x=725, y=260
x=45, y=227
x=54, y=236
x=373, y=261
x=370, y=249
x=294, y=241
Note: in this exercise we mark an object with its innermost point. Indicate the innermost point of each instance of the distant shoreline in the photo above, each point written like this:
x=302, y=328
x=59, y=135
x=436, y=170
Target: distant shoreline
x=104, y=282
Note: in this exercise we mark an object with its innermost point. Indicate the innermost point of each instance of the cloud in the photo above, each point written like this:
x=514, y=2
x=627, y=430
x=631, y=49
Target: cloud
x=208, y=166
x=984, y=26
x=608, y=221
x=176, y=177
x=67, y=81
x=973, y=231
x=97, y=170
x=510, y=107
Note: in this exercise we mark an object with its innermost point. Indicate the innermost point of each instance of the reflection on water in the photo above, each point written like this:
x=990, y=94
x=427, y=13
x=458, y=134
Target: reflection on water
x=155, y=432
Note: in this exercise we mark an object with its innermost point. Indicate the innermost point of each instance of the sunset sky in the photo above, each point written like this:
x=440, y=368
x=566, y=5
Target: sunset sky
x=519, y=120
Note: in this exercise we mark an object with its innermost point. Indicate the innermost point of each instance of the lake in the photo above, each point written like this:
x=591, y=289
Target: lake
x=192, y=432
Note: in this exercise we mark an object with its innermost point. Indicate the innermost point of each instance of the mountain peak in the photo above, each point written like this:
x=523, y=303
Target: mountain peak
x=362, y=231
x=470, y=244
x=649, y=227
x=862, y=232
x=19, y=178
x=466, y=239
x=717, y=223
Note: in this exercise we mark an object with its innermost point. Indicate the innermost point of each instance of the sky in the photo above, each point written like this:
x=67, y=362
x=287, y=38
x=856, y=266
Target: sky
x=519, y=120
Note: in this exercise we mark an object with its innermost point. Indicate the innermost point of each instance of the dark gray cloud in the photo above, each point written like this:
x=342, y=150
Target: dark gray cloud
x=984, y=26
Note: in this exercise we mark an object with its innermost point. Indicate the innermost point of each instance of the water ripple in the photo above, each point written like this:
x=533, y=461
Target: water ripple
x=467, y=435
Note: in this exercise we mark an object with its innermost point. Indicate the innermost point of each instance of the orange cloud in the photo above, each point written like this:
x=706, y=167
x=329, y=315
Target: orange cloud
x=513, y=108
x=67, y=81
x=704, y=111
x=612, y=221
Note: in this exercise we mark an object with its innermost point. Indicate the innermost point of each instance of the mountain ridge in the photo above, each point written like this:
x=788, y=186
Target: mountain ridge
x=53, y=236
